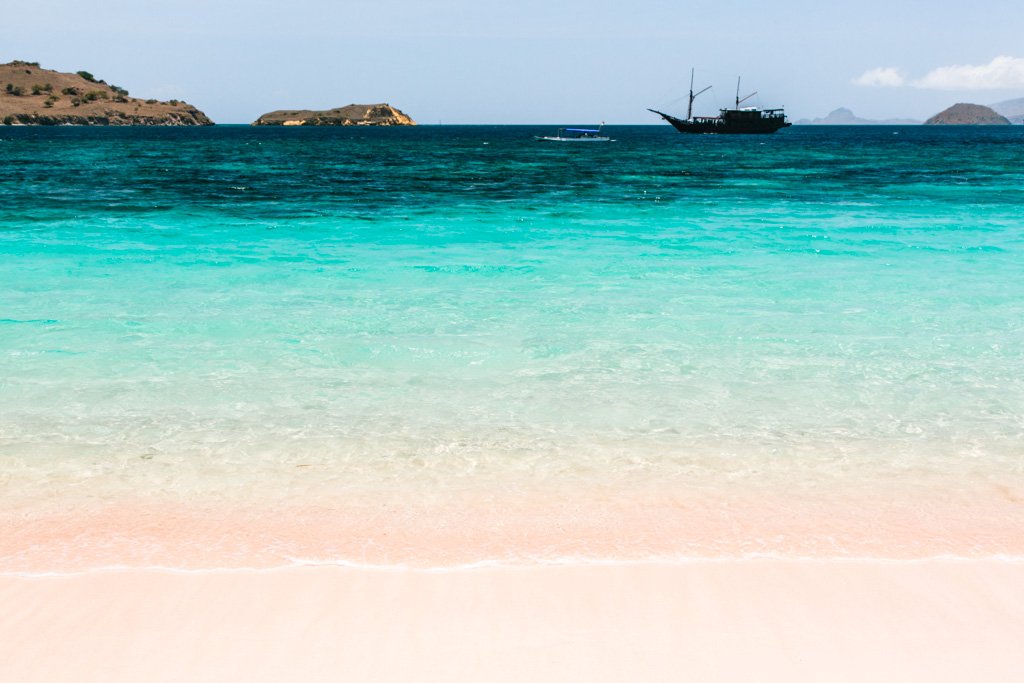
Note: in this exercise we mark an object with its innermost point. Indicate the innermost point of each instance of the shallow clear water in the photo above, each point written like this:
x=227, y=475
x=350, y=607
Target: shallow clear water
x=197, y=312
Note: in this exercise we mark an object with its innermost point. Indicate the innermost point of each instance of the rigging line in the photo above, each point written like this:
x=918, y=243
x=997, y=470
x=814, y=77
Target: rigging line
x=667, y=105
x=663, y=101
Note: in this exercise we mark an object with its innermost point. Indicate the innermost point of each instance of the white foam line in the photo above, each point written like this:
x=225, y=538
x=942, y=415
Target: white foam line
x=525, y=563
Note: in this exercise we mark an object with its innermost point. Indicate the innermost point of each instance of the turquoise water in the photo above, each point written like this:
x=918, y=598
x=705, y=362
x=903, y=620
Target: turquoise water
x=446, y=308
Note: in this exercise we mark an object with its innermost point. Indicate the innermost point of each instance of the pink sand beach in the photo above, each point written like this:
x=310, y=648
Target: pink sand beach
x=853, y=590
x=766, y=620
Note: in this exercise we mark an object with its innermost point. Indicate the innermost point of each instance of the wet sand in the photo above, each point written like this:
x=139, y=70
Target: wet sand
x=511, y=529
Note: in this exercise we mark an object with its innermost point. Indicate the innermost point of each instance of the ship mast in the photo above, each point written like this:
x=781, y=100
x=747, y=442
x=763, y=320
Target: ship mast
x=738, y=99
x=689, y=109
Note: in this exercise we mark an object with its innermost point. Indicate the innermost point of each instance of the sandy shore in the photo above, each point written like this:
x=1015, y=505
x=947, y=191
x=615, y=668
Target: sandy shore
x=742, y=620
x=44, y=538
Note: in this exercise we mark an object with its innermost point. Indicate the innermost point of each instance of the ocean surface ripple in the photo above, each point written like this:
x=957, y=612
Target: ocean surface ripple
x=237, y=314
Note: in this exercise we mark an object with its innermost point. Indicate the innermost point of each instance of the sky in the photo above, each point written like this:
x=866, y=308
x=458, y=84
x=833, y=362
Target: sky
x=528, y=61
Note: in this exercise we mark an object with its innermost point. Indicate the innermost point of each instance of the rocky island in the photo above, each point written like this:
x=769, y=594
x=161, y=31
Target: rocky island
x=31, y=95
x=963, y=114
x=351, y=115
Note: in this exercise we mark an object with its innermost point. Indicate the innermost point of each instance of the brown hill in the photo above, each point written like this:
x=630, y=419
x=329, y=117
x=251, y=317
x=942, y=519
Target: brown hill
x=31, y=95
x=963, y=114
x=351, y=115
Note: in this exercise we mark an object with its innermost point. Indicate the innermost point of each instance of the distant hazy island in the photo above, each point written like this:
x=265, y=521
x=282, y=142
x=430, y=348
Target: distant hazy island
x=999, y=114
x=1011, y=109
x=31, y=95
x=845, y=117
x=963, y=114
x=351, y=115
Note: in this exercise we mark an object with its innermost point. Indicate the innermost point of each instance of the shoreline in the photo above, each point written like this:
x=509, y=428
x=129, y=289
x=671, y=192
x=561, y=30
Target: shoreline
x=722, y=620
x=508, y=565
x=508, y=531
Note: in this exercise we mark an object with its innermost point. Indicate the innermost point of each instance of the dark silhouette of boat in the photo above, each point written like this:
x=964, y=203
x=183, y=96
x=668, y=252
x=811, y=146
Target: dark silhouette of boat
x=748, y=120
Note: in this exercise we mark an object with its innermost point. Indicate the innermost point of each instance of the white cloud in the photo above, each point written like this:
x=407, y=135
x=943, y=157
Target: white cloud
x=1001, y=73
x=882, y=77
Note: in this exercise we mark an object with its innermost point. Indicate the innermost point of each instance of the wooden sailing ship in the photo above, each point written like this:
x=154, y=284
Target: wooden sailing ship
x=748, y=120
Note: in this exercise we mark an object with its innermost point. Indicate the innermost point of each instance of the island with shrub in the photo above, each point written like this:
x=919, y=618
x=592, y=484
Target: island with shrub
x=350, y=115
x=32, y=95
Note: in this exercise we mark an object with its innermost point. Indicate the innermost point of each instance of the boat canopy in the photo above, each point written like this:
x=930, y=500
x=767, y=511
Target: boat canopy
x=581, y=130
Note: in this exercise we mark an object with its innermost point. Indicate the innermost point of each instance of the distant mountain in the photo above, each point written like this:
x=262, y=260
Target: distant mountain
x=351, y=115
x=1011, y=109
x=964, y=114
x=33, y=96
x=845, y=117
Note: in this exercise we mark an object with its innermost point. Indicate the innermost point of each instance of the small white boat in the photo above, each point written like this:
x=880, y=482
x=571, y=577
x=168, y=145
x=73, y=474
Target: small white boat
x=575, y=135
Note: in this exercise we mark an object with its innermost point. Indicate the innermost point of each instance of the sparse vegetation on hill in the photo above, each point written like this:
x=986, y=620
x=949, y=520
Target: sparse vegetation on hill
x=351, y=115
x=28, y=97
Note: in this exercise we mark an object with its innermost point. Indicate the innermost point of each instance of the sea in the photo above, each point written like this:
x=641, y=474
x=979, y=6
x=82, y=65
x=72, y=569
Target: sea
x=663, y=346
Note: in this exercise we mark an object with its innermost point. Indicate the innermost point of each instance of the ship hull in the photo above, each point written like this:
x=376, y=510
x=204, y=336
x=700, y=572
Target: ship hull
x=725, y=126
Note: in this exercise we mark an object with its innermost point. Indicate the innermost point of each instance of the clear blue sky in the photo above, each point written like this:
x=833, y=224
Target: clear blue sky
x=474, y=61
